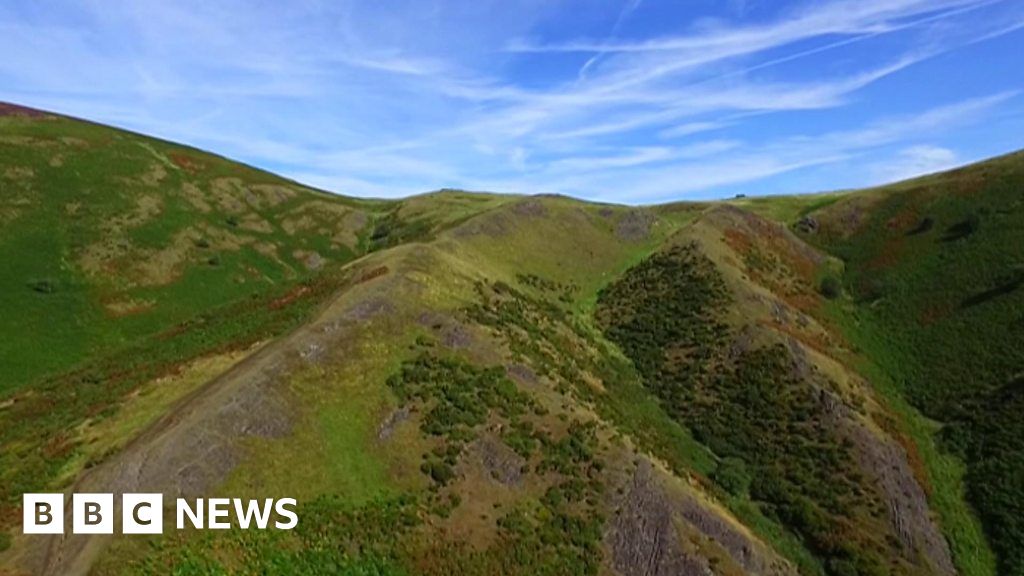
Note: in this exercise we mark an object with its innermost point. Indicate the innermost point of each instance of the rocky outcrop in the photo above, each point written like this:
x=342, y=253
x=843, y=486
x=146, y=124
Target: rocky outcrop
x=634, y=226
x=887, y=462
x=662, y=532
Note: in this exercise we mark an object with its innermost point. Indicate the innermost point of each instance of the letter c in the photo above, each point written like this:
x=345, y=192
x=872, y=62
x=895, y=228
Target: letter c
x=135, y=514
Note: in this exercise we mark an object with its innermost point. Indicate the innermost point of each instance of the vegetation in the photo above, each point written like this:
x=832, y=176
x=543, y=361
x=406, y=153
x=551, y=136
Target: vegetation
x=558, y=532
x=830, y=287
x=458, y=399
x=748, y=407
x=109, y=237
x=441, y=422
x=332, y=538
x=36, y=429
x=563, y=347
x=934, y=269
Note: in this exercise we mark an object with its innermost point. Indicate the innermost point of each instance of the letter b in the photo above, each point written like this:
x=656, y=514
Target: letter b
x=43, y=514
x=92, y=513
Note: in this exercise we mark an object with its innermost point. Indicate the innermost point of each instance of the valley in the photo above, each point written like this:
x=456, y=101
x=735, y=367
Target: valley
x=476, y=383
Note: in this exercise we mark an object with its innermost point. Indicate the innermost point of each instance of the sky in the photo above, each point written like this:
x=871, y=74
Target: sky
x=630, y=101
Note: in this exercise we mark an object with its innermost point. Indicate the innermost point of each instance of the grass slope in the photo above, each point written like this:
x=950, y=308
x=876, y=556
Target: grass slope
x=933, y=270
x=471, y=383
x=107, y=237
x=131, y=262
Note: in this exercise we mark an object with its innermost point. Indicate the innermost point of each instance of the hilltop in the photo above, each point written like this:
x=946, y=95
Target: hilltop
x=479, y=384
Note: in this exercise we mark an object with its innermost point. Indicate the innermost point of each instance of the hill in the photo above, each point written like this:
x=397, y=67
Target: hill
x=934, y=269
x=479, y=384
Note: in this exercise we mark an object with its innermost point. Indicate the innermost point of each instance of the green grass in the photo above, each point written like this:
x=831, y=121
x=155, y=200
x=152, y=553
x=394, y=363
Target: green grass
x=80, y=219
x=35, y=430
x=748, y=407
x=116, y=280
x=945, y=472
x=933, y=272
x=787, y=208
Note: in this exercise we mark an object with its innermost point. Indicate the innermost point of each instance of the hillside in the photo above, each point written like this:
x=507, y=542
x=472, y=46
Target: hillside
x=481, y=384
x=933, y=269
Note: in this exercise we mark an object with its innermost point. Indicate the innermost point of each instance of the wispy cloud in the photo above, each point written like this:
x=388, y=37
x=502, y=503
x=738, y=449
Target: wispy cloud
x=914, y=161
x=659, y=175
x=523, y=96
x=829, y=18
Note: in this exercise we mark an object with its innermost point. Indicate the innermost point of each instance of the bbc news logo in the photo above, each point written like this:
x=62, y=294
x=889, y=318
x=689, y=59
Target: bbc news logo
x=144, y=513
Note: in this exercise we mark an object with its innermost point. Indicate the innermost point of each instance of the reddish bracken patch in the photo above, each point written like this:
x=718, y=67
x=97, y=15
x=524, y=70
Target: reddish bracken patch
x=916, y=463
x=808, y=302
x=888, y=423
x=173, y=331
x=905, y=221
x=57, y=447
x=738, y=241
x=186, y=163
x=934, y=313
x=801, y=260
x=888, y=256
x=793, y=266
x=968, y=182
x=814, y=341
x=8, y=109
x=371, y=274
x=288, y=298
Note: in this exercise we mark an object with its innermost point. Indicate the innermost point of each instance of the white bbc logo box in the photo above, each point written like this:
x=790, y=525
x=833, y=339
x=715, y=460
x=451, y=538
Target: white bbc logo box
x=93, y=513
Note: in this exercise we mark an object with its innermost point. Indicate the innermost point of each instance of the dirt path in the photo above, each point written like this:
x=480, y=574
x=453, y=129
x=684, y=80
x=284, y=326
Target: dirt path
x=194, y=446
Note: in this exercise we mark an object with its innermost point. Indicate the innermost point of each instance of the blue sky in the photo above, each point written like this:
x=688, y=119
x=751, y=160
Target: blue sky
x=631, y=101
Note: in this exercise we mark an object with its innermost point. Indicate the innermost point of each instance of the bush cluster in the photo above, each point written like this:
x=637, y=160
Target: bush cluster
x=768, y=425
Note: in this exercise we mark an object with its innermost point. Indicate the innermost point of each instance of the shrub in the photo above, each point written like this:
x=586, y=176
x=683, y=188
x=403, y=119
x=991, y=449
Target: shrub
x=43, y=286
x=750, y=408
x=830, y=287
x=732, y=475
x=963, y=228
x=926, y=224
x=439, y=471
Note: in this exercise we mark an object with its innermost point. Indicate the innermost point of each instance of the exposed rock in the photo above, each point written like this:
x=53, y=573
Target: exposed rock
x=368, y=309
x=387, y=427
x=882, y=458
x=456, y=336
x=807, y=225
x=430, y=319
x=531, y=207
x=522, y=374
x=657, y=534
x=909, y=514
x=635, y=225
x=780, y=312
x=743, y=342
x=802, y=366
x=313, y=352
x=502, y=463
x=643, y=538
x=313, y=261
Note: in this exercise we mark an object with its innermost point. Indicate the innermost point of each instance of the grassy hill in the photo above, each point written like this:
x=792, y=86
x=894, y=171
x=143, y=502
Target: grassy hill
x=933, y=271
x=480, y=384
x=109, y=237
